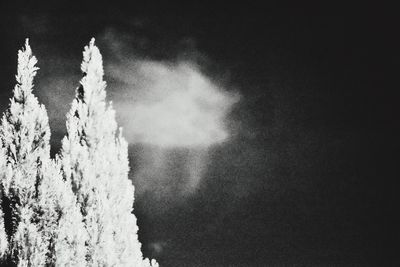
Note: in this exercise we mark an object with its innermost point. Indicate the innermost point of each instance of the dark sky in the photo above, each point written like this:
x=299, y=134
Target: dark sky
x=309, y=176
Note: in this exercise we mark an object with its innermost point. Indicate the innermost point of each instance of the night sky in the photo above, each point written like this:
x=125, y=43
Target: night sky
x=308, y=175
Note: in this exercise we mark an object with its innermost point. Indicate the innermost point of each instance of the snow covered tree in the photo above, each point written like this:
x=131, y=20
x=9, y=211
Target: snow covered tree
x=60, y=220
x=25, y=135
x=41, y=205
x=3, y=236
x=95, y=161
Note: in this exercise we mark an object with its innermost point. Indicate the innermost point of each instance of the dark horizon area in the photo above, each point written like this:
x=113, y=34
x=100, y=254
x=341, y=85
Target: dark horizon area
x=309, y=173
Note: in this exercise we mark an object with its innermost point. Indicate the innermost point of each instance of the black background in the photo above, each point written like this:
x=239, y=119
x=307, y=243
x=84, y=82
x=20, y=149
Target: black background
x=318, y=138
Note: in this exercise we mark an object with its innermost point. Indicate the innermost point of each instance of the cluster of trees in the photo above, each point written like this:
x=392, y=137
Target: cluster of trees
x=74, y=209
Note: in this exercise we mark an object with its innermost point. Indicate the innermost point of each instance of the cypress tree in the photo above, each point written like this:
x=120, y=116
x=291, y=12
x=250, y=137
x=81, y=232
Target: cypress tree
x=95, y=160
x=3, y=236
x=25, y=135
x=31, y=183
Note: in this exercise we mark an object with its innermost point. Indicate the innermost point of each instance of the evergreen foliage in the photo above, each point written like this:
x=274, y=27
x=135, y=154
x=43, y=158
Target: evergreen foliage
x=95, y=159
x=42, y=221
x=76, y=209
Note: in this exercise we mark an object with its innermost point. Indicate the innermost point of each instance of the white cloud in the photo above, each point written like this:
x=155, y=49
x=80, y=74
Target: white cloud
x=176, y=113
x=171, y=105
